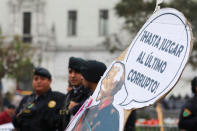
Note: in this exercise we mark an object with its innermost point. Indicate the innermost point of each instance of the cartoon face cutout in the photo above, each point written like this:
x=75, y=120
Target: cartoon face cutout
x=113, y=81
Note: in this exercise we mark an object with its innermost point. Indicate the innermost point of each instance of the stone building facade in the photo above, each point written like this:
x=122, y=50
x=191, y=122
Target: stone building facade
x=63, y=28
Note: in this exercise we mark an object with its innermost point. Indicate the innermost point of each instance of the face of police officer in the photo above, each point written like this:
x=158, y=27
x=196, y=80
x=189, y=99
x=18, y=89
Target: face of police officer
x=41, y=84
x=74, y=77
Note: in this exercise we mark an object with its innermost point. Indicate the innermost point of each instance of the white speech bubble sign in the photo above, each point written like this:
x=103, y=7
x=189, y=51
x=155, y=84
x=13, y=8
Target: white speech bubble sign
x=156, y=58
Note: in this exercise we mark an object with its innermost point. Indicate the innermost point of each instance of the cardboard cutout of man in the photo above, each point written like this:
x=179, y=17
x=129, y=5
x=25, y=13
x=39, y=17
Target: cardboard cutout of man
x=100, y=117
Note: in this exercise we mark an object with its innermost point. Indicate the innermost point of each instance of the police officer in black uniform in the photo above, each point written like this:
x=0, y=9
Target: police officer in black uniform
x=92, y=71
x=188, y=116
x=40, y=110
x=77, y=95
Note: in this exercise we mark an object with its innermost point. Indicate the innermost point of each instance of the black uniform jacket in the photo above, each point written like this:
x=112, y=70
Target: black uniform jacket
x=78, y=95
x=39, y=113
x=188, y=116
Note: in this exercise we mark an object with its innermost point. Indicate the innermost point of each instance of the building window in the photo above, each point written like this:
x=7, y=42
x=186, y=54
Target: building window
x=72, y=23
x=27, y=27
x=103, y=22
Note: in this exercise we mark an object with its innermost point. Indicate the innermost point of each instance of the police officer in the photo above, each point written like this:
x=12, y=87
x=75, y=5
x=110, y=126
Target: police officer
x=92, y=71
x=188, y=115
x=40, y=110
x=78, y=94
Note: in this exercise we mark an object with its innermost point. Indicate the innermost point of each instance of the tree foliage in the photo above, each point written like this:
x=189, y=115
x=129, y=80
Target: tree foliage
x=136, y=12
x=15, y=60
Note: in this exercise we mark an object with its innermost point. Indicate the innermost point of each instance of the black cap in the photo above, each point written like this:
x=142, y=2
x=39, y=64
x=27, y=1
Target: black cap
x=194, y=84
x=40, y=71
x=93, y=70
x=75, y=63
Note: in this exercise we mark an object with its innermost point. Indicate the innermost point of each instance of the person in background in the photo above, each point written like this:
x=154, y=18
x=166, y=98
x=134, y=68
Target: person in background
x=188, y=114
x=40, y=110
x=92, y=72
x=7, y=114
x=77, y=94
x=7, y=99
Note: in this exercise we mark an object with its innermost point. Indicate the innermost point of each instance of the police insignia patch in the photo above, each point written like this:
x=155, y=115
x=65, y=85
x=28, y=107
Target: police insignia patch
x=30, y=105
x=186, y=113
x=26, y=111
x=52, y=104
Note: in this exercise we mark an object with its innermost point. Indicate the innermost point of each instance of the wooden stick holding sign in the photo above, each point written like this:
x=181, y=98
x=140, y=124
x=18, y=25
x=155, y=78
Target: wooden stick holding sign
x=143, y=74
x=157, y=7
x=160, y=115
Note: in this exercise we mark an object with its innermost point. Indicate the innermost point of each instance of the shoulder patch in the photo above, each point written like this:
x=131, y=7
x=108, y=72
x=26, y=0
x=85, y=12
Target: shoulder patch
x=52, y=104
x=186, y=113
x=26, y=111
x=30, y=105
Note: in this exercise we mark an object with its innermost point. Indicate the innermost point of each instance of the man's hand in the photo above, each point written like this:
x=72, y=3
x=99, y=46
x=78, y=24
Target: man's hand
x=72, y=104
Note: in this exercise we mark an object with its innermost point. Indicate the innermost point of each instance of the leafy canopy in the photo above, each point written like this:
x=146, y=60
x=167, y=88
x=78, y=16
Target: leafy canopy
x=15, y=60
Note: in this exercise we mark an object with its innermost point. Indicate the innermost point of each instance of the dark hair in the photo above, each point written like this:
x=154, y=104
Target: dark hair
x=11, y=106
x=75, y=63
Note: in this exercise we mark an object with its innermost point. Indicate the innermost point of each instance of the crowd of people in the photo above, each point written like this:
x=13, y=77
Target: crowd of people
x=50, y=110
x=174, y=102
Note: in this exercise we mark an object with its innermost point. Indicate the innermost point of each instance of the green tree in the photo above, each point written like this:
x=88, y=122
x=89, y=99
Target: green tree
x=136, y=12
x=15, y=60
